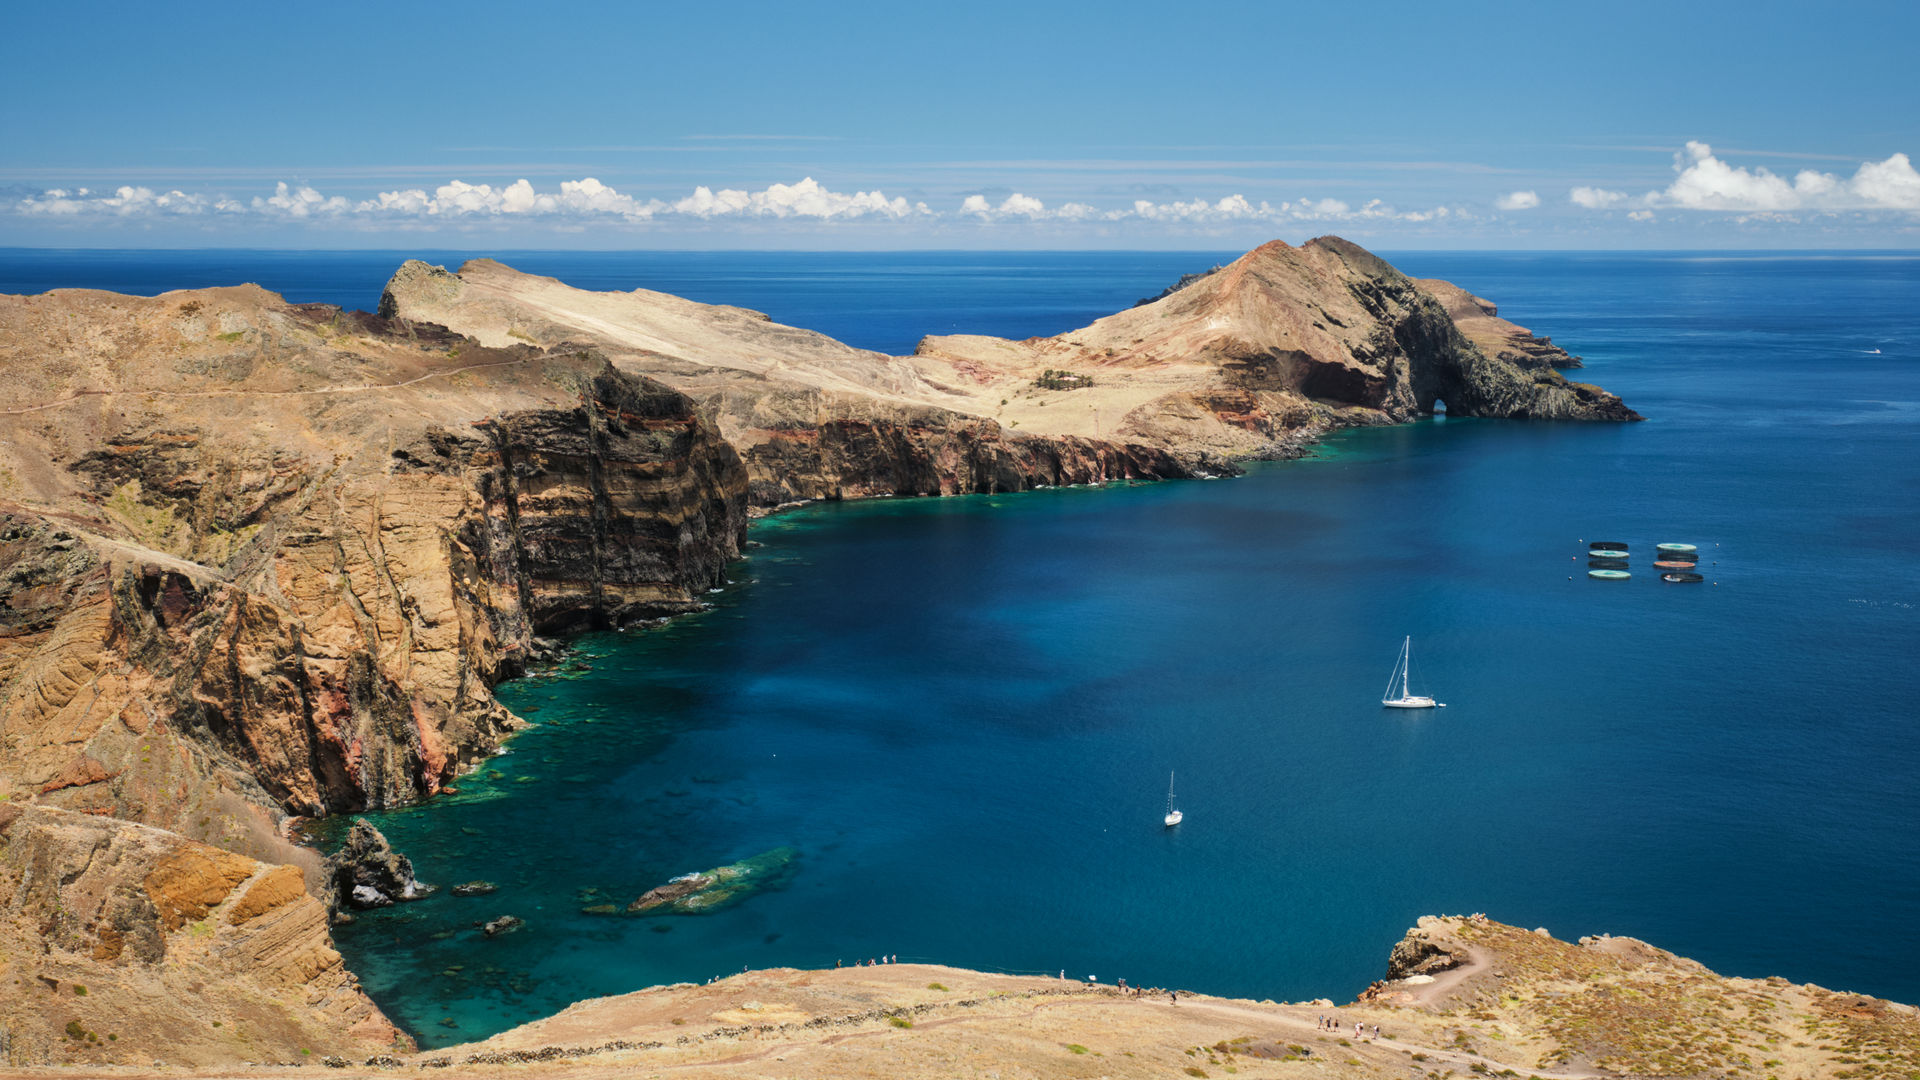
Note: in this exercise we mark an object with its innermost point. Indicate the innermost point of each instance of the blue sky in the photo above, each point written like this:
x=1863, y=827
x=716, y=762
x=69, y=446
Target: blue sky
x=979, y=125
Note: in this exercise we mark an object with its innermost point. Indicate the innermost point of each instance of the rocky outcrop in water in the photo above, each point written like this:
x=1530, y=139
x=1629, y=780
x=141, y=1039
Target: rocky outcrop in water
x=709, y=890
x=367, y=873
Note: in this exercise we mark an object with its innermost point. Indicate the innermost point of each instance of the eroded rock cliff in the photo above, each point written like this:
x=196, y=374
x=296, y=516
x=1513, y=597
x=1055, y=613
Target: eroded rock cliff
x=1251, y=358
x=281, y=565
x=812, y=417
x=261, y=559
x=124, y=943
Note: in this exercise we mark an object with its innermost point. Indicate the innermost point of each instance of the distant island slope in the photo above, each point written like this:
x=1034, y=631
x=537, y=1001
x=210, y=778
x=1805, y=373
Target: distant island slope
x=1251, y=359
x=262, y=560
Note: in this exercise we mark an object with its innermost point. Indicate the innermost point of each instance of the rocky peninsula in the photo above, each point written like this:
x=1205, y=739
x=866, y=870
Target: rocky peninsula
x=262, y=560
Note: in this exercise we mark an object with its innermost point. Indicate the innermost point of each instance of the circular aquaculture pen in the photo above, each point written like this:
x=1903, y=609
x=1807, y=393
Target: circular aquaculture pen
x=1678, y=547
x=1609, y=575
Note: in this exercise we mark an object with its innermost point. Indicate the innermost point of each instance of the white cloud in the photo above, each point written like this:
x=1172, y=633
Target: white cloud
x=575, y=203
x=588, y=198
x=805, y=199
x=1231, y=208
x=1640, y=215
x=1027, y=207
x=1517, y=200
x=1597, y=198
x=583, y=200
x=1703, y=181
x=301, y=202
x=1235, y=208
x=126, y=202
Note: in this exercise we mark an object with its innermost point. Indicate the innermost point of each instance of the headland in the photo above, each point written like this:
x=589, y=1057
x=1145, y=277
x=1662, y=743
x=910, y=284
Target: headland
x=268, y=560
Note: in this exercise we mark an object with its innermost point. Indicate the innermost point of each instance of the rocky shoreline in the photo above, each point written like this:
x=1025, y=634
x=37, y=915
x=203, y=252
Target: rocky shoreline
x=262, y=560
x=1462, y=995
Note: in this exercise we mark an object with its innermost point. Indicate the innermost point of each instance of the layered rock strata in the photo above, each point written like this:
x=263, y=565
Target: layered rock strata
x=261, y=555
x=812, y=417
x=1249, y=359
x=261, y=559
x=120, y=943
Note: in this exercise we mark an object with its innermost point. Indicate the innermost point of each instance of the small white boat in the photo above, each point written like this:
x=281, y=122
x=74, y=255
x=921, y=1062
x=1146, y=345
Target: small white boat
x=1173, y=815
x=1402, y=670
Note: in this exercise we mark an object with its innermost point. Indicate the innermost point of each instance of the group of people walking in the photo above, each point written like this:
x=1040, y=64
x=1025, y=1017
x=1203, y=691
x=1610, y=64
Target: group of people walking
x=1360, y=1030
x=890, y=958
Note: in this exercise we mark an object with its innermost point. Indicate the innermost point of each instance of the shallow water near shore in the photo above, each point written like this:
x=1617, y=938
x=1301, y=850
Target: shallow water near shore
x=961, y=713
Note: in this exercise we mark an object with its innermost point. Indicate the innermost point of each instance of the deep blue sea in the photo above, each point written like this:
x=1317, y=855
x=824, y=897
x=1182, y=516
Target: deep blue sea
x=962, y=713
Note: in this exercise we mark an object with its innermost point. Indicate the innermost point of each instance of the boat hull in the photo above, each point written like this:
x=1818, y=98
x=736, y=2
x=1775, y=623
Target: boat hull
x=1411, y=703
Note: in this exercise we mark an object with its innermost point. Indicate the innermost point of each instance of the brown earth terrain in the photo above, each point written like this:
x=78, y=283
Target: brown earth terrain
x=262, y=560
x=1506, y=1002
x=1283, y=344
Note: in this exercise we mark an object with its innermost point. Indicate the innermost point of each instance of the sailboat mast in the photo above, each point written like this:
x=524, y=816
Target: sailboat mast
x=1406, y=664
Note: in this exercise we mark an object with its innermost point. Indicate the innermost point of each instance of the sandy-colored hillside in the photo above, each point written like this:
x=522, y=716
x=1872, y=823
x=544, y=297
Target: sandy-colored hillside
x=1282, y=344
x=1463, y=996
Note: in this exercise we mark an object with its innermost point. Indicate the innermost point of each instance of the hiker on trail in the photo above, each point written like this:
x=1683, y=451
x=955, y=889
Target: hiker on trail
x=1174, y=996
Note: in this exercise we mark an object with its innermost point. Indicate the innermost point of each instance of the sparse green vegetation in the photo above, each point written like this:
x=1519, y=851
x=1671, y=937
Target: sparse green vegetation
x=935, y=986
x=1076, y=1048
x=1052, y=379
x=235, y=335
x=900, y=1022
x=79, y=991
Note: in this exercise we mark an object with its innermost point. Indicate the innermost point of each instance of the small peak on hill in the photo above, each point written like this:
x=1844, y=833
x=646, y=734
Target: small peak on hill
x=415, y=279
x=1355, y=256
x=1270, y=248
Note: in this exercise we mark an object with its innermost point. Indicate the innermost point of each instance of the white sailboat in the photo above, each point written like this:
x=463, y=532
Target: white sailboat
x=1173, y=815
x=1401, y=673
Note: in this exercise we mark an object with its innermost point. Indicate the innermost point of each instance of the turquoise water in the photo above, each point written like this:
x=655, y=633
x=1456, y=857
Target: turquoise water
x=962, y=712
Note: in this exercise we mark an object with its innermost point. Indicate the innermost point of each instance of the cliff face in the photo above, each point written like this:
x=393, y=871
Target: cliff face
x=260, y=559
x=1251, y=358
x=1285, y=340
x=281, y=565
x=812, y=417
x=121, y=943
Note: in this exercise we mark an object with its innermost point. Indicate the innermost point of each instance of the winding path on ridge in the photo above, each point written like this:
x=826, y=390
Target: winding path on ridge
x=1287, y=1018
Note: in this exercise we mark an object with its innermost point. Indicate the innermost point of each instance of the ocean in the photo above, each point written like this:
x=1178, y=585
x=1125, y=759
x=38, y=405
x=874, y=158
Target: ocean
x=961, y=714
